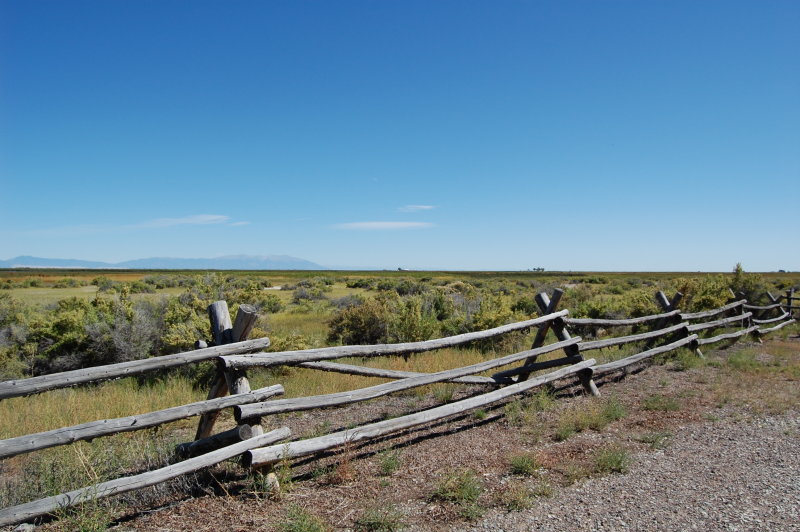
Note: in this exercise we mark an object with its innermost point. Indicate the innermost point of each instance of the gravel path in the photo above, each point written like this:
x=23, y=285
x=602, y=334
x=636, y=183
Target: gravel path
x=729, y=475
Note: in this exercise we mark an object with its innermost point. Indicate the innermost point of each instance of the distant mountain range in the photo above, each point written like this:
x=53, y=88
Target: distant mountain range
x=229, y=262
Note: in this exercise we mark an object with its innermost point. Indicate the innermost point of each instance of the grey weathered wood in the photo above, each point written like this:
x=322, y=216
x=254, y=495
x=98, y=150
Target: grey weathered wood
x=329, y=353
x=389, y=373
x=105, y=427
x=620, y=340
x=548, y=306
x=772, y=320
x=30, y=510
x=220, y=318
x=219, y=387
x=224, y=333
x=728, y=336
x=536, y=366
x=718, y=323
x=773, y=329
x=627, y=361
x=379, y=390
x=764, y=307
x=212, y=443
x=65, y=379
x=275, y=453
x=667, y=305
x=772, y=298
x=237, y=381
x=246, y=318
x=713, y=312
x=619, y=323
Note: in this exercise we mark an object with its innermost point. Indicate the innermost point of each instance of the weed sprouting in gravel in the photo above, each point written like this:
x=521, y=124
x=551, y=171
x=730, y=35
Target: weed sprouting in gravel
x=383, y=519
x=299, y=520
x=612, y=459
x=460, y=486
x=656, y=440
x=660, y=402
x=523, y=464
x=389, y=462
x=516, y=497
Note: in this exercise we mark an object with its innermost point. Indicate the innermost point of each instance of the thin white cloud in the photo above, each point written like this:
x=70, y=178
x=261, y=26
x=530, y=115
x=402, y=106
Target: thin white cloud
x=383, y=226
x=197, y=219
x=415, y=208
x=238, y=224
x=158, y=223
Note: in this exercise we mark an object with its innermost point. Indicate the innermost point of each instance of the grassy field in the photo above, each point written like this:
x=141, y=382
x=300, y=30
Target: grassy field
x=33, y=297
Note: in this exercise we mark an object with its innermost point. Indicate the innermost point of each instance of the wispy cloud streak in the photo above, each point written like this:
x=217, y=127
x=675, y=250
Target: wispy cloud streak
x=383, y=226
x=157, y=223
x=415, y=208
x=197, y=219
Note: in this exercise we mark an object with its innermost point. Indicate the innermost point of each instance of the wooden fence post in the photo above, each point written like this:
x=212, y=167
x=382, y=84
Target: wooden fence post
x=667, y=305
x=237, y=378
x=548, y=306
x=224, y=332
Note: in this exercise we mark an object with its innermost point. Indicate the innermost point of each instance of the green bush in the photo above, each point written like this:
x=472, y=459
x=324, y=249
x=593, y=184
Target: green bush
x=410, y=323
x=367, y=323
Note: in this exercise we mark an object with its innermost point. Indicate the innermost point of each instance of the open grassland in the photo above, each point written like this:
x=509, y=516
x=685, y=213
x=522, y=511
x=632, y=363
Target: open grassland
x=51, y=321
x=540, y=444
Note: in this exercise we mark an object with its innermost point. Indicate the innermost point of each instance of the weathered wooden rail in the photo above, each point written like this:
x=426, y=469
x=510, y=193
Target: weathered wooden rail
x=365, y=394
x=23, y=512
x=66, y=379
x=106, y=427
x=675, y=328
x=269, y=455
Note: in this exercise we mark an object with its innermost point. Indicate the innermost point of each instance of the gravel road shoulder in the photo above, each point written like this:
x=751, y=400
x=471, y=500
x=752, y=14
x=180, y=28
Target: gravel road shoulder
x=732, y=474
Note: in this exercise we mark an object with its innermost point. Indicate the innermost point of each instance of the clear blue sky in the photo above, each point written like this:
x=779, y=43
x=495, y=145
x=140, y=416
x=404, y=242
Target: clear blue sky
x=641, y=135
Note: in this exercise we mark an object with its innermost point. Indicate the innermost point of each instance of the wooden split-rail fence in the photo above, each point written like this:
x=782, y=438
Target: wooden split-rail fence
x=235, y=354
